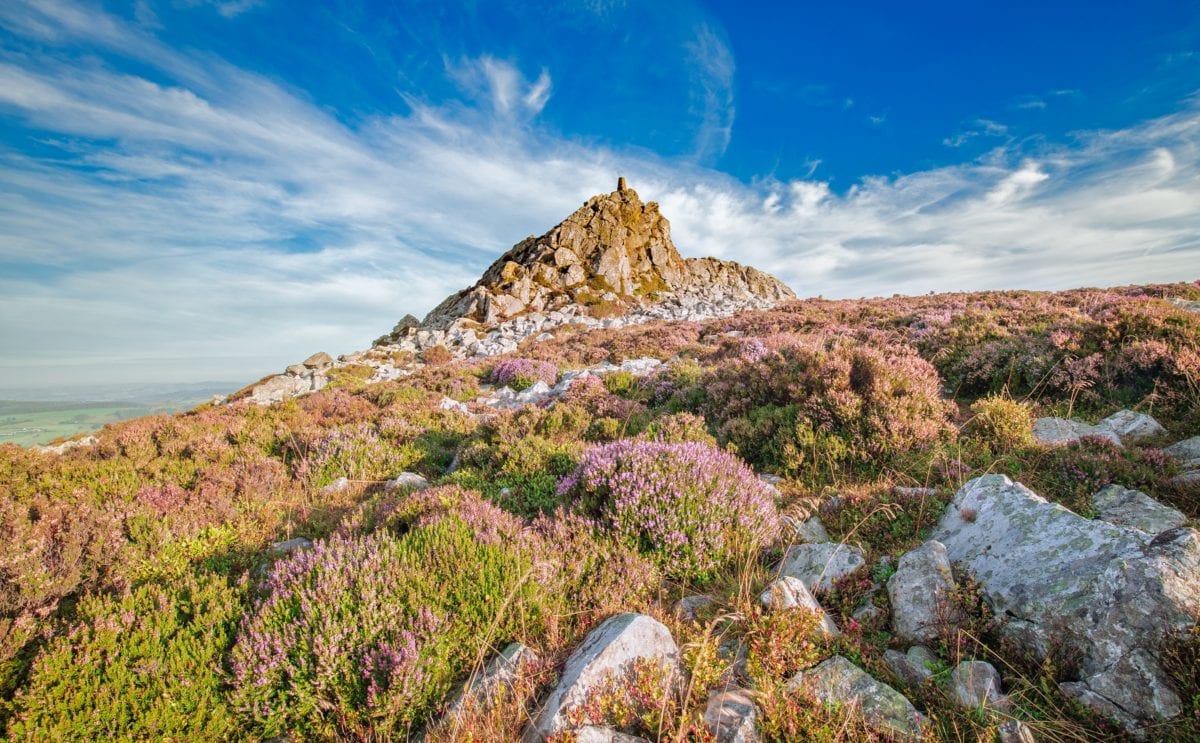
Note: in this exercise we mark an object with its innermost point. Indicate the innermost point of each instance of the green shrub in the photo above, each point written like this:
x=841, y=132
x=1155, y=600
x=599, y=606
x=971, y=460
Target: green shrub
x=1001, y=422
x=142, y=666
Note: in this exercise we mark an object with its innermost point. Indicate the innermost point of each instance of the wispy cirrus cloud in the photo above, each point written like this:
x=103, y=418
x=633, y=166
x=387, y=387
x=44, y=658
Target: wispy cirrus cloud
x=211, y=220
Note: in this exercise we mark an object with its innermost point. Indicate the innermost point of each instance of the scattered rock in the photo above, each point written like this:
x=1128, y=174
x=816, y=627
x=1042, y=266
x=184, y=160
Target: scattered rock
x=812, y=531
x=919, y=591
x=607, y=651
x=1131, y=426
x=1099, y=704
x=1060, y=432
x=975, y=684
x=914, y=492
x=1014, y=731
x=915, y=667
x=481, y=689
x=790, y=593
x=67, y=446
x=1051, y=573
x=731, y=717
x=839, y=681
x=337, y=486
x=1187, y=452
x=455, y=405
x=291, y=545
x=408, y=481
x=733, y=652
x=819, y=565
x=775, y=480
x=689, y=607
x=1135, y=509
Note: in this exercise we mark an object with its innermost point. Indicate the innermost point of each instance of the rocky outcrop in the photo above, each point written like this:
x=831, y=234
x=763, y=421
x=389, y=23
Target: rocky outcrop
x=1136, y=510
x=1122, y=427
x=1050, y=574
x=614, y=252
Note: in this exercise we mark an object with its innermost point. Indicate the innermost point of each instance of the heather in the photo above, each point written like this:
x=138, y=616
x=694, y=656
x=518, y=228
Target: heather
x=523, y=373
x=690, y=505
x=153, y=549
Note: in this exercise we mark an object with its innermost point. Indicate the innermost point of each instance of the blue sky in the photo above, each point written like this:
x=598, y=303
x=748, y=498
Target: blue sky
x=211, y=189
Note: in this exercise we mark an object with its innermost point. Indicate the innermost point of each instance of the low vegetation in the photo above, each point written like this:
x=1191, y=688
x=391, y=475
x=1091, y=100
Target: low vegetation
x=140, y=596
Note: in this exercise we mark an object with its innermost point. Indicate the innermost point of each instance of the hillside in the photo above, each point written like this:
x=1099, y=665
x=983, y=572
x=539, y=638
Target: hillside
x=955, y=517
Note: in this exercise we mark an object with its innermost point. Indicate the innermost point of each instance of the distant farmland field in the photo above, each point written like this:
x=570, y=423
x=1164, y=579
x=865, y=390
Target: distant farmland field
x=28, y=422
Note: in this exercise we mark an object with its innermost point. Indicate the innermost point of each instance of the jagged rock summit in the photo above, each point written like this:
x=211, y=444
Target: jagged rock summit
x=610, y=264
x=612, y=256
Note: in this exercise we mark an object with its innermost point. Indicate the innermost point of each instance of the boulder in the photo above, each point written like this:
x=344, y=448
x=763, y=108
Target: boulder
x=279, y=388
x=1049, y=573
x=1187, y=452
x=1131, y=426
x=812, y=531
x=319, y=360
x=1014, y=731
x=787, y=593
x=838, y=681
x=731, y=717
x=407, y=481
x=482, y=688
x=1060, y=432
x=1135, y=509
x=975, y=684
x=688, y=608
x=915, y=667
x=919, y=591
x=819, y=565
x=607, y=651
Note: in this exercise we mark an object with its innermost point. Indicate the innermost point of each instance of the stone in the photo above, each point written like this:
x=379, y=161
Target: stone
x=910, y=492
x=731, y=717
x=1049, y=573
x=297, y=370
x=1014, y=731
x=319, y=360
x=689, y=607
x=838, y=681
x=279, y=388
x=594, y=734
x=1187, y=452
x=812, y=531
x=734, y=653
x=1131, y=426
x=455, y=405
x=786, y=593
x=607, y=651
x=1098, y=704
x=975, y=684
x=919, y=591
x=481, y=689
x=289, y=546
x=915, y=667
x=337, y=486
x=1060, y=432
x=408, y=481
x=1135, y=509
x=819, y=565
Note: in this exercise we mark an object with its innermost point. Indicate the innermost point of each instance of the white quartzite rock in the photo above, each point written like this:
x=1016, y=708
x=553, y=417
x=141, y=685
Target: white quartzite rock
x=819, y=565
x=482, y=688
x=732, y=717
x=607, y=651
x=1060, y=431
x=1131, y=426
x=1112, y=591
x=975, y=684
x=839, y=681
x=919, y=591
x=1135, y=509
x=789, y=593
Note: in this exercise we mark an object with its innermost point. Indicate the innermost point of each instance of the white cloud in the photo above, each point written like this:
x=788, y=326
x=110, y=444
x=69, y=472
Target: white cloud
x=218, y=224
x=712, y=93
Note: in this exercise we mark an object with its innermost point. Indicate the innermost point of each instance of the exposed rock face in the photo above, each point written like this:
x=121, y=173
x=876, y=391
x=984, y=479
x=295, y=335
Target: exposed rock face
x=731, y=717
x=1135, y=509
x=1051, y=573
x=614, y=251
x=975, y=684
x=789, y=593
